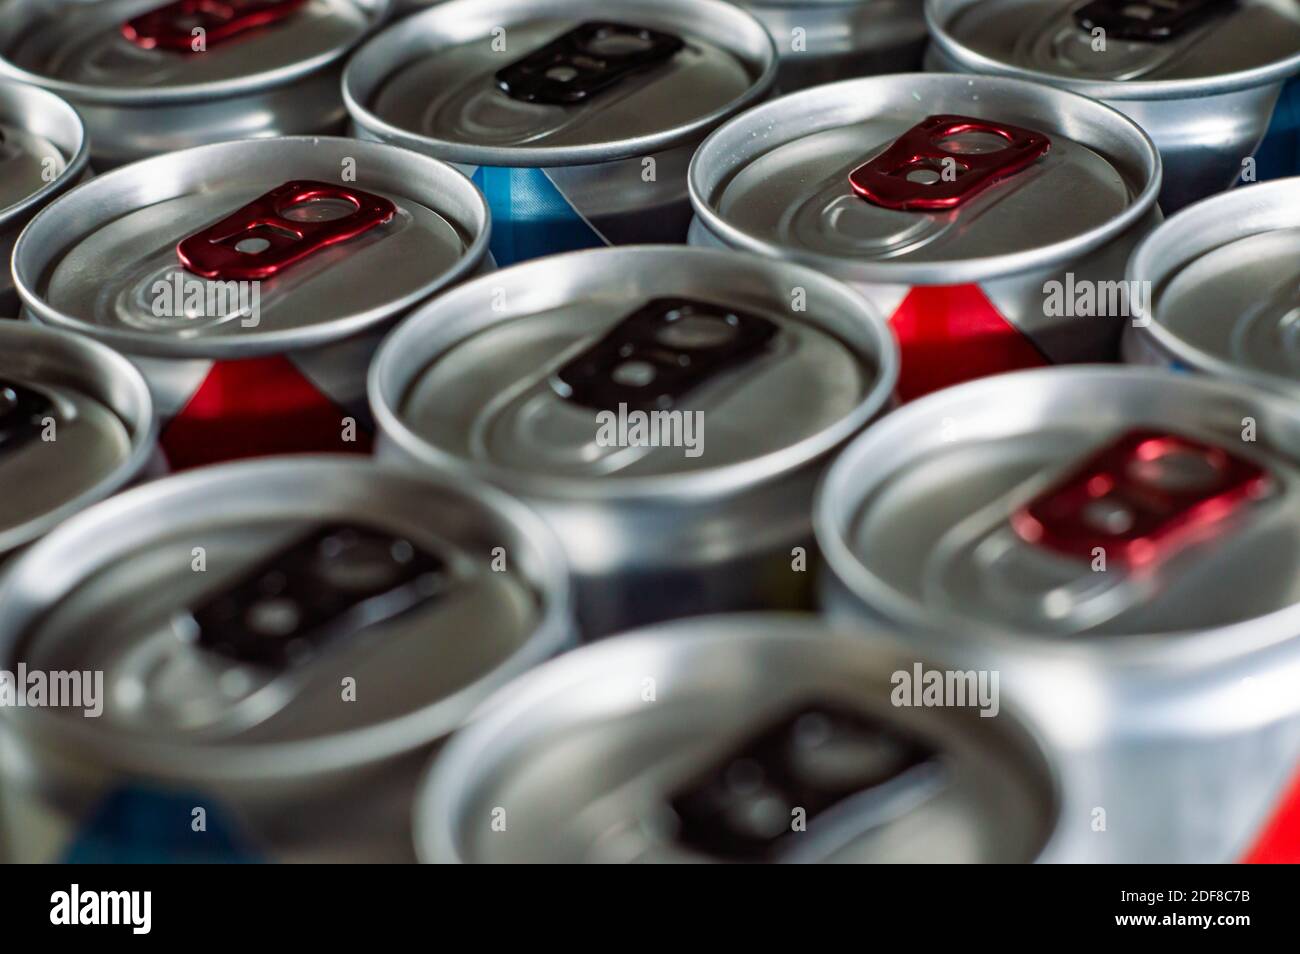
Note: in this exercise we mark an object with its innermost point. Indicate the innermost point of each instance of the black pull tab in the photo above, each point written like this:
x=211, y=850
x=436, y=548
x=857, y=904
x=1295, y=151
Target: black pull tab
x=22, y=414
x=813, y=758
x=333, y=582
x=1150, y=21
x=661, y=351
x=590, y=58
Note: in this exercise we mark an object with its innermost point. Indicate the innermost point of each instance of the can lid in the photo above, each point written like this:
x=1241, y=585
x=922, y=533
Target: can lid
x=757, y=717
x=209, y=252
x=1045, y=507
x=632, y=374
x=76, y=423
x=925, y=178
x=315, y=569
x=1115, y=49
x=510, y=83
x=125, y=52
x=1224, y=277
x=43, y=149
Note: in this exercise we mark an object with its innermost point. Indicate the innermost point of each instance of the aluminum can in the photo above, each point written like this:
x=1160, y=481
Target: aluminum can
x=578, y=127
x=819, y=41
x=666, y=409
x=279, y=645
x=1117, y=543
x=76, y=424
x=751, y=738
x=252, y=281
x=1226, y=279
x=43, y=152
x=968, y=209
x=152, y=76
x=1201, y=77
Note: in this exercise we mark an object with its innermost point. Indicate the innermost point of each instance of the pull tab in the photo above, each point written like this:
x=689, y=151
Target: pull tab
x=276, y=230
x=332, y=583
x=1147, y=21
x=172, y=26
x=919, y=171
x=813, y=758
x=1141, y=498
x=22, y=411
x=661, y=351
x=587, y=60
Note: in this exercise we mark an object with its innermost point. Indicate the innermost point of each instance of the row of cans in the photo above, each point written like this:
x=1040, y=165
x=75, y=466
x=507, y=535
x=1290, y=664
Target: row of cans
x=264, y=627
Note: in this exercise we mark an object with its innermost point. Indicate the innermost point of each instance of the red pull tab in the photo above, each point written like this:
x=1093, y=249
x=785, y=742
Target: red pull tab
x=172, y=26
x=271, y=241
x=1141, y=498
x=909, y=175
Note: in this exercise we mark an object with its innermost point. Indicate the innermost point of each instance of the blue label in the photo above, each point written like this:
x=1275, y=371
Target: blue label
x=145, y=826
x=530, y=217
x=1279, y=155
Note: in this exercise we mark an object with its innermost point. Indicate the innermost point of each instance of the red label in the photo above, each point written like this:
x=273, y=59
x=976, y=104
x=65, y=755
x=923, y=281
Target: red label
x=952, y=334
x=174, y=25
x=918, y=172
x=254, y=408
x=1279, y=841
x=259, y=240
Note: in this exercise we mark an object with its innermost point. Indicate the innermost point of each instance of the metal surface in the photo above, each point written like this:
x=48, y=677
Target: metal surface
x=279, y=79
x=465, y=386
x=1205, y=95
x=1168, y=686
x=43, y=153
x=306, y=772
x=95, y=431
x=585, y=755
x=776, y=181
x=820, y=41
x=1225, y=275
x=100, y=261
x=607, y=170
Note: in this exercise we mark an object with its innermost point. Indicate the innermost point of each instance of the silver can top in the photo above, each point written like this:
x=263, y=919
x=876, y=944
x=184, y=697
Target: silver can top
x=619, y=371
x=123, y=51
x=1070, y=504
x=925, y=178
x=227, y=609
x=251, y=247
x=43, y=149
x=549, y=83
x=703, y=740
x=76, y=423
x=1225, y=275
x=1157, y=50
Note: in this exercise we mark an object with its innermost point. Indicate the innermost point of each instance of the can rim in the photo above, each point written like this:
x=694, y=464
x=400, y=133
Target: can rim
x=387, y=384
x=446, y=782
x=375, y=11
x=42, y=240
x=840, y=494
x=1202, y=226
x=373, y=62
x=144, y=429
x=59, y=555
x=937, y=13
x=78, y=162
x=734, y=144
